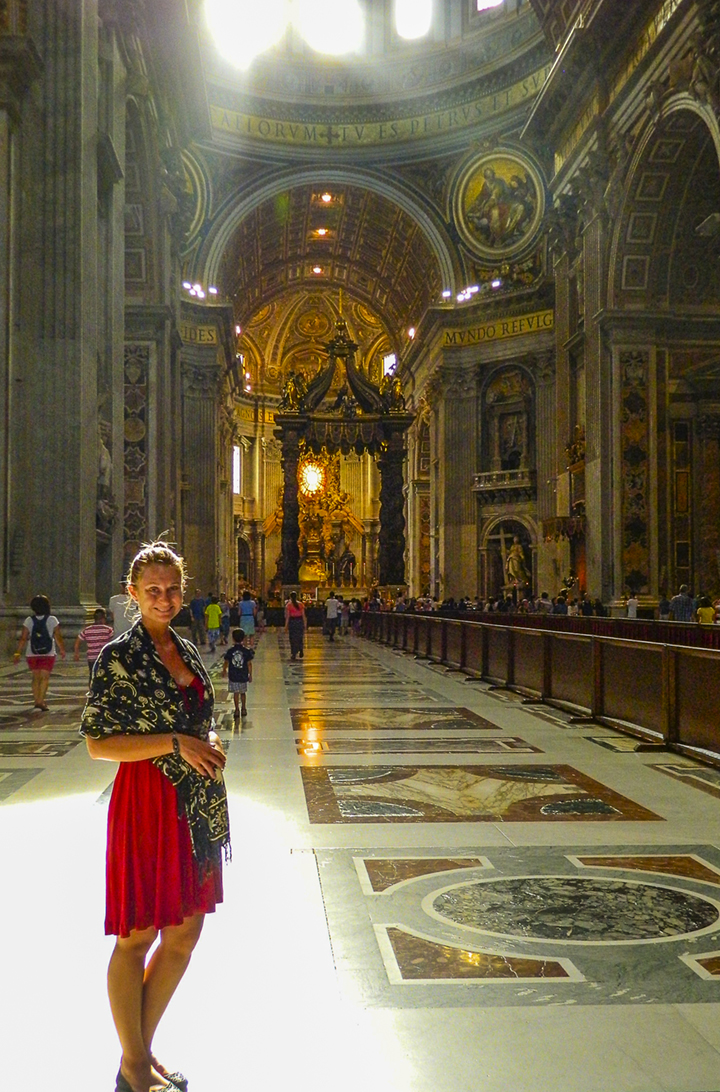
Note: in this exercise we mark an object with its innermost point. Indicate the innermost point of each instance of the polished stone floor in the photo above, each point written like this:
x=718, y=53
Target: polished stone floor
x=434, y=888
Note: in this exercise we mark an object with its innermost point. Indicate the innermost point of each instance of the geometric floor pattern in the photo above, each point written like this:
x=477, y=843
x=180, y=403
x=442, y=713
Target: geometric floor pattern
x=434, y=888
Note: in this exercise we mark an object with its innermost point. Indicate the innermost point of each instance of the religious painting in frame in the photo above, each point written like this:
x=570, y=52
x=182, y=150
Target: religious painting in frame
x=499, y=204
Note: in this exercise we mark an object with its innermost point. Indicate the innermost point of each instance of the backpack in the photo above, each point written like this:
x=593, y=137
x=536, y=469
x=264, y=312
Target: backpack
x=41, y=642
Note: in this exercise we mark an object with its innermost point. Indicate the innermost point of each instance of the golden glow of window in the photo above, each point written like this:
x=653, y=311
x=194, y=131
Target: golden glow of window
x=312, y=478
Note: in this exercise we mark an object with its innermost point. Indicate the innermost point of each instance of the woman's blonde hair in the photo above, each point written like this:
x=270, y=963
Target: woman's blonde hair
x=156, y=553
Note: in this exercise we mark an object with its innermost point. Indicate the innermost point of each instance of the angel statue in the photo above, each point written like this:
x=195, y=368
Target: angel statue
x=391, y=393
x=294, y=392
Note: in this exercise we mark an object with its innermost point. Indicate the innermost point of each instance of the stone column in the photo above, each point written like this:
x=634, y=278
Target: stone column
x=19, y=65
x=391, y=551
x=546, y=444
x=199, y=455
x=52, y=421
x=458, y=464
x=708, y=553
x=598, y=418
x=291, y=503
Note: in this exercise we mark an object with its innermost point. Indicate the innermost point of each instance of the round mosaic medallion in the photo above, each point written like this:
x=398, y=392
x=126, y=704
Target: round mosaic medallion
x=313, y=324
x=576, y=910
x=498, y=204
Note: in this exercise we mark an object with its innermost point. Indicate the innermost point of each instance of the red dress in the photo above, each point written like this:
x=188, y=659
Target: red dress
x=151, y=874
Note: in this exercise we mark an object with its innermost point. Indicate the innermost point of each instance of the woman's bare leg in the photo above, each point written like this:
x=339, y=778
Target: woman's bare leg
x=126, y=974
x=43, y=683
x=36, y=687
x=164, y=972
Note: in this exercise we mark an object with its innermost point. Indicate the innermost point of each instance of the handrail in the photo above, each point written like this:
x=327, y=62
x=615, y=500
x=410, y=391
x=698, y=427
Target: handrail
x=665, y=687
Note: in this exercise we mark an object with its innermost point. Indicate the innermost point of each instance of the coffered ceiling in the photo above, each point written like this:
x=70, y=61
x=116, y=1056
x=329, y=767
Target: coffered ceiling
x=358, y=241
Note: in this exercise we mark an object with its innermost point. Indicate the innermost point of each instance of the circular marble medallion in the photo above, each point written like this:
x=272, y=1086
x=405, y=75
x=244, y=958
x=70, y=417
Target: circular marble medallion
x=574, y=909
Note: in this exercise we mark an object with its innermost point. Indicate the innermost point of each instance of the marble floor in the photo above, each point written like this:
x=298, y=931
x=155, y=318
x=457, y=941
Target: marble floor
x=434, y=888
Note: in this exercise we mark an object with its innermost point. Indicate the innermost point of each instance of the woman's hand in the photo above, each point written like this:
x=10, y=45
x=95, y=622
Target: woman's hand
x=216, y=743
x=202, y=756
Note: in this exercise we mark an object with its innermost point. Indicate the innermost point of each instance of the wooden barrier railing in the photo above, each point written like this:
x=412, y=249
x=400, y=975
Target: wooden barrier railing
x=666, y=689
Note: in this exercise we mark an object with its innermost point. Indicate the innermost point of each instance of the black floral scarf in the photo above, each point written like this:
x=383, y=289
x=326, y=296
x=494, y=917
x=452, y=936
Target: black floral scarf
x=133, y=692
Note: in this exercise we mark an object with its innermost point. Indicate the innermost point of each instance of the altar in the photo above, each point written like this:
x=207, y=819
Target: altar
x=317, y=519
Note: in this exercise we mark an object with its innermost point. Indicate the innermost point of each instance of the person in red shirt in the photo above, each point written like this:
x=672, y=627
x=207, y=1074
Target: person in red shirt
x=95, y=636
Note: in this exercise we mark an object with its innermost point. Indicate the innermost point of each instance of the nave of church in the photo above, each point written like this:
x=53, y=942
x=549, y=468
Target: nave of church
x=434, y=888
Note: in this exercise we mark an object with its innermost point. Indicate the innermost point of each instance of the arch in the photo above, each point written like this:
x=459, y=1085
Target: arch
x=206, y=264
x=493, y=574
x=515, y=517
x=645, y=230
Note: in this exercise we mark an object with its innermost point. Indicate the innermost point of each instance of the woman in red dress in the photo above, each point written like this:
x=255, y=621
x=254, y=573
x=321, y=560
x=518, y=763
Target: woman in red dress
x=150, y=709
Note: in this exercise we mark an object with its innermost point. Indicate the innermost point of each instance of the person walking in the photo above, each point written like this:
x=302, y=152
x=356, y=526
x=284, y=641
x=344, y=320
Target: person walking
x=248, y=610
x=41, y=636
x=150, y=708
x=197, y=618
x=95, y=636
x=123, y=610
x=213, y=618
x=237, y=665
x=332, y=609
x=225, y=619
x=295, y=625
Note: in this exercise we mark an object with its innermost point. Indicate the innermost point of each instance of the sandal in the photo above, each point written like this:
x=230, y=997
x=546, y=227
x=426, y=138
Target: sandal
x=175, y=1080
x=123, y=1085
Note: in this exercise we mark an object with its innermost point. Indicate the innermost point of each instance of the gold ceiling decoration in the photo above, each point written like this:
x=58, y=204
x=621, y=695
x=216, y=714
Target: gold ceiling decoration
x=374, y=250
x=296, y=339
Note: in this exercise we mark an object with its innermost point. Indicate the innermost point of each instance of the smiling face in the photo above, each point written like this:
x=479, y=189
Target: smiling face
x=158, y=592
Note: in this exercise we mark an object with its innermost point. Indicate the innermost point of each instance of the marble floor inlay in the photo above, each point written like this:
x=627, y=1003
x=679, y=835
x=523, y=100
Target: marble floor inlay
x=514, y=915
x=625, y=744
x=705, y=778
x=372, y=744
x=12, y=780
x=21, y=748
x=369, y=717
x=457, y=794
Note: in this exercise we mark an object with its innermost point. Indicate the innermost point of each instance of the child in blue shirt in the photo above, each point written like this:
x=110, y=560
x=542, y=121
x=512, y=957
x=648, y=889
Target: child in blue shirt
x=237, y=665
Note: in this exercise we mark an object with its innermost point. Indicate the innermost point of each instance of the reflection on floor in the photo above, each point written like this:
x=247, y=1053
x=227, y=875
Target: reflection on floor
x=545, y=921
x=376, y=744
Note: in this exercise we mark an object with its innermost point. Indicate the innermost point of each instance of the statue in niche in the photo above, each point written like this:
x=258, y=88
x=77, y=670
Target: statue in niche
x=515, y=568
x=105, y=508
x=345, y=569
x=512, y=448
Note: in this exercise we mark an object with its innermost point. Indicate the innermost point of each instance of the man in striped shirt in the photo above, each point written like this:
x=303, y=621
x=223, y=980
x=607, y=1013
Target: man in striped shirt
x=95, y=636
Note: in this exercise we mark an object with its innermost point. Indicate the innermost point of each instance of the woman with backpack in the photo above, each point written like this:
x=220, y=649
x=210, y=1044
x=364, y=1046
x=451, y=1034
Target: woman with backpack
x=41, y=634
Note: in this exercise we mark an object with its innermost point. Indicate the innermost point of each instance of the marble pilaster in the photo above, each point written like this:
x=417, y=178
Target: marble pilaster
x=598, y=418
x=199, y=454
x=457, y=450
x=52, y=418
